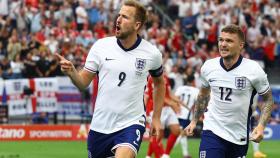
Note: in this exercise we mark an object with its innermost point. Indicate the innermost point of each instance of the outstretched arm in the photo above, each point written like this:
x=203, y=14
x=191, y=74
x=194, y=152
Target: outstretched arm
x=257, y=134
x=80, y=79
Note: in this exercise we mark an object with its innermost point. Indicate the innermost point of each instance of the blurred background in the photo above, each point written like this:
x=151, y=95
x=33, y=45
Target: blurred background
x=39, y=103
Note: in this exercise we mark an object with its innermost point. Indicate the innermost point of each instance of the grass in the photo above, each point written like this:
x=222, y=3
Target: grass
x=77, y=149
x=271, y=148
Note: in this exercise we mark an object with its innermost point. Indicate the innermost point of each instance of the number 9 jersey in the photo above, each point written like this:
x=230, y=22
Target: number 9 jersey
x=232, y=92
x=122, y=77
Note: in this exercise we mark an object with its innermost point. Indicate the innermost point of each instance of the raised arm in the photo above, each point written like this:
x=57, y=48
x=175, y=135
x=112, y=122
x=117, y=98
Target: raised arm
x=81, y=79
x=257, y=134
x=199, y=108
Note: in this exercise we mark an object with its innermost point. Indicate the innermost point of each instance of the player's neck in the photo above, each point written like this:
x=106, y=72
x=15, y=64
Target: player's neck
x=129, y=41
x=229, y=62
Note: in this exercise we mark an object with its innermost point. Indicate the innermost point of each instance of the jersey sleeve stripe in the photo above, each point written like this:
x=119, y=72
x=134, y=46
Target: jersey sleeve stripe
x=262, y=93
x=157, y=72
x=90, y=70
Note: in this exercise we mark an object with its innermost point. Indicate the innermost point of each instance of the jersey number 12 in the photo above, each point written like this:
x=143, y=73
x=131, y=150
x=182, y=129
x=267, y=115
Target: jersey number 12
x=225, y=93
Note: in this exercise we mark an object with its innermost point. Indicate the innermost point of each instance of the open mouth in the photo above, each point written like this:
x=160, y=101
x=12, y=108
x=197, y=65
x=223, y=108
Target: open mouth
x=224, y=50
x=118, y=28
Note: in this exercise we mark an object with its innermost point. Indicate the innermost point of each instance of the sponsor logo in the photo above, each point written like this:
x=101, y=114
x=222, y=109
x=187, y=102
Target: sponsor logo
x=12, y=133
x=50, y=134
x=82, y=133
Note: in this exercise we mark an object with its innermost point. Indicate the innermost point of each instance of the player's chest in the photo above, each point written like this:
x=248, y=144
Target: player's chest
x=233, y=80
x=134, y=65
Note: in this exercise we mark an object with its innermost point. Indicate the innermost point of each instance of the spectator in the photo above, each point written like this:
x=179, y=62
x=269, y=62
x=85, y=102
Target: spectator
x=93, y=13
x=253, y=32
x=54, y=69
x=5, y=68
x=81, y=15
x=51, y=43
x=22, y=21
x=183, y=5
x=36, y=16
x=3, y=51
x=256, y=52
x=43, y=63
x=189, y=24
x=85, y=37
x=31, y=70
x=4, y=8
x=17, y=67
x=14, y=47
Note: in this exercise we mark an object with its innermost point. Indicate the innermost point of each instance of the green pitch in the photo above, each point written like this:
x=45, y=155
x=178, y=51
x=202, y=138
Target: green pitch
x=77, y=149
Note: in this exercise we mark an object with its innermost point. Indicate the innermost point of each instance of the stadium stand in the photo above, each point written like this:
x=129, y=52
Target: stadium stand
x=186, y=31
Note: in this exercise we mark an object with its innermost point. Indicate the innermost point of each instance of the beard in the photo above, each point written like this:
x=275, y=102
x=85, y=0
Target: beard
x=124, y=35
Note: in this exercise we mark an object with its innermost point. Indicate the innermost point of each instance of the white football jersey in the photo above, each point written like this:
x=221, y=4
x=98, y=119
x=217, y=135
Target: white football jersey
x=122, y=79
x=232, y=93
x=188, y=96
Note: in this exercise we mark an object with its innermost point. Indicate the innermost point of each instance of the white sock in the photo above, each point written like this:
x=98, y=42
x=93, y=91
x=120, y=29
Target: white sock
x=178, y=140
x=165, y=156
x=184, y=145
x=255, y=146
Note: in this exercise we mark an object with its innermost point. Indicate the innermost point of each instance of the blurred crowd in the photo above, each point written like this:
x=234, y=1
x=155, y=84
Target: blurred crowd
x=31, y=31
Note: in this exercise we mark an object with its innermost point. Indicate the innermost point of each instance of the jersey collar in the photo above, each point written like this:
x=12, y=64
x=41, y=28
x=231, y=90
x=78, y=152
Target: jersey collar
x=233, y=66
x=135, y=45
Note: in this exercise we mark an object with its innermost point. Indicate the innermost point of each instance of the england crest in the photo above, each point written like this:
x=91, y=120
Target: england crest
x=140, y=64
x=240, y=82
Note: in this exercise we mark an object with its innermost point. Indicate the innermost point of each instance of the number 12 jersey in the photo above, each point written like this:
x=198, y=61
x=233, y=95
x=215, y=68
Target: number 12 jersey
x=232, y=93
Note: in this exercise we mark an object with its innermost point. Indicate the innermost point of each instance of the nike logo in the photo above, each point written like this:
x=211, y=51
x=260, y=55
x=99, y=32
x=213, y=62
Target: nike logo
x=107, y=59
x=211, y=80
x=135, y=143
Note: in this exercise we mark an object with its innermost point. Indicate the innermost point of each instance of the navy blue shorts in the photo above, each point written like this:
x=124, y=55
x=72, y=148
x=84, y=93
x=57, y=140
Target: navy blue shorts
x=184, y=123
x=104, y=145
x=212, y=146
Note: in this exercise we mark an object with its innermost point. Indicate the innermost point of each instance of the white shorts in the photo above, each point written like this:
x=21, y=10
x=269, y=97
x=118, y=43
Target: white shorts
x=168, y=117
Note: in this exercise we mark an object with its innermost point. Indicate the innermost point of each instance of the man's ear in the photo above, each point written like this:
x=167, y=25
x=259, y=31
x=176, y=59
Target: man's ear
x=138, y=26
x=242, y=45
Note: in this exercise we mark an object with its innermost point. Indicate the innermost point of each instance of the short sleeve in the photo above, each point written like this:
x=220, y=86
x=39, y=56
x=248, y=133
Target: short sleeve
x=93, y=59
x=203, y=76
x=260, y=81
x=156, y=65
